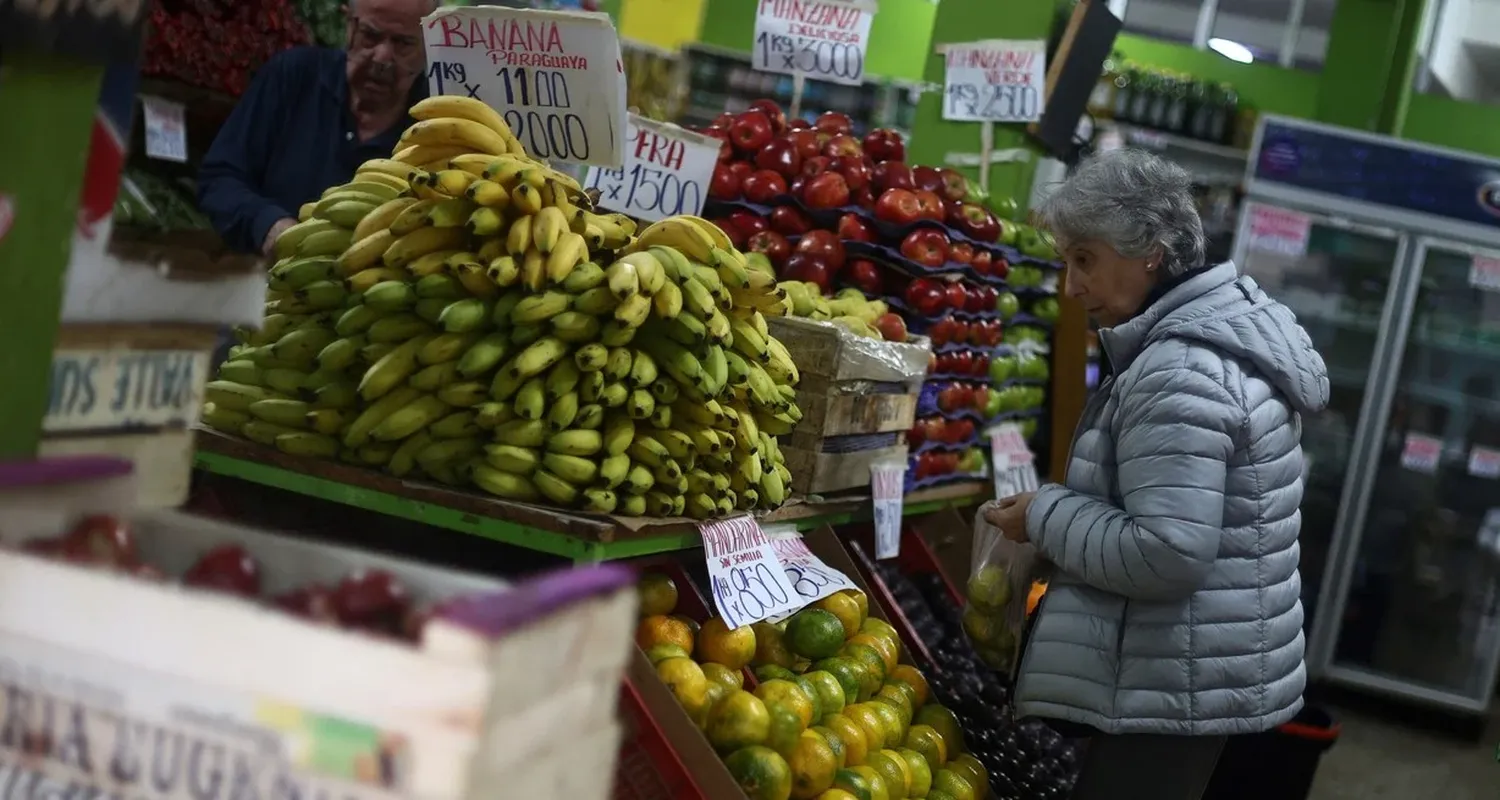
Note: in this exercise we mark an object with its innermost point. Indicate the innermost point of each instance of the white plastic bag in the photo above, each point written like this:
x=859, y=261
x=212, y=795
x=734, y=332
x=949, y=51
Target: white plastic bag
x=1000, y=575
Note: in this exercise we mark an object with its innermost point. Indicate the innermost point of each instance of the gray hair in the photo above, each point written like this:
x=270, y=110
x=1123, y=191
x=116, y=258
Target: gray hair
x=1133, y=201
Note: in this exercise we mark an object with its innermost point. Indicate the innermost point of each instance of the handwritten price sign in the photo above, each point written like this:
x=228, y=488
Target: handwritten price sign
x=1421, y=453
x=1279, y=231
x=811, y=578
x=666, y=172
x=555, y=76
x=820, y=39
x=998, y=80
x=166, y=134
x=886, y=482
x=747, y=579
x=1015, y=465
x=1484, y=273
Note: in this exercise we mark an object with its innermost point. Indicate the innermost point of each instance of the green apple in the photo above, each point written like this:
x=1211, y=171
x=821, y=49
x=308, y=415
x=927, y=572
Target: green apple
x=1002, y=369
x=1008, y=304
x=1031, y=367
x=1045, y=308
x=992, y=404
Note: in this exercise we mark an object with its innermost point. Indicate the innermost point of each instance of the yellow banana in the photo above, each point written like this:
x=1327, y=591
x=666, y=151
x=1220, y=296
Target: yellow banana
x=460, y=107
x=454, y=132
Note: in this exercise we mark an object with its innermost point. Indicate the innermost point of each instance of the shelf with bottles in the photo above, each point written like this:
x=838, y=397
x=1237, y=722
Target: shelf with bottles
x=1196, y=113
x=721, y=80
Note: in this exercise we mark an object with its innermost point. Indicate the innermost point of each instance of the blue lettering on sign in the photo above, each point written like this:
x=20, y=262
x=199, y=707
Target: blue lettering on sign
x=143, y=386
x=72, y=386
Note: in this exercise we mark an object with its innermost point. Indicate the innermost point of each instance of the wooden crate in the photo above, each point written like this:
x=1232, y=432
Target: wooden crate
x=829, y=410
x=816, y=471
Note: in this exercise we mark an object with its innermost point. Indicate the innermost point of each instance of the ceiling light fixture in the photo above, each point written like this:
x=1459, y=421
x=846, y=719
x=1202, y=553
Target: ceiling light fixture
x=1234, y=51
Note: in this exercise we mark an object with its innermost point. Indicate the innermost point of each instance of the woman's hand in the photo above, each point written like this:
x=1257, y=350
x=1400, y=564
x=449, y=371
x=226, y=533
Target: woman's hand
x=1010, y=516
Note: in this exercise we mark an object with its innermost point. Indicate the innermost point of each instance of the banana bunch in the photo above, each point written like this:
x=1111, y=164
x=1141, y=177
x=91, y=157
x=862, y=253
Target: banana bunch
x=849, y=308
x=459, y=312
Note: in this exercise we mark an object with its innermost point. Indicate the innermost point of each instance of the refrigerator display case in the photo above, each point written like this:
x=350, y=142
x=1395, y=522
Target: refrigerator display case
x=1389, y=253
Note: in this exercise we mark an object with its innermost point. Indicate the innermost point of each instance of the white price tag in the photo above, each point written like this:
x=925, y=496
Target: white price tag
x=555, y=76
x=997, y=80
x=820, y=39
x=666, y=172
x=1015, y=466
x=886, y=482
x=1421, y=453
x=1484, y=273
x=116, y=390
x=1279, y=231
x=166, y=133
x=1484, y=462
x=811, y=578
x=748, y=580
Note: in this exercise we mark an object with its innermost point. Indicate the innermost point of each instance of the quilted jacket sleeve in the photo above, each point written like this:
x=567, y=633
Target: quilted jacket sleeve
x=1176, y=429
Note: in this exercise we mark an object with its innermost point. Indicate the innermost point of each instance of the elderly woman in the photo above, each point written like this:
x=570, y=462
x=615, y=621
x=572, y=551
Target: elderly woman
x=1173, y=618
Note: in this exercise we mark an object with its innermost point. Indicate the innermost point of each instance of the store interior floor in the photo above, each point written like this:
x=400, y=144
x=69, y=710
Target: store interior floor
x=1381, y=757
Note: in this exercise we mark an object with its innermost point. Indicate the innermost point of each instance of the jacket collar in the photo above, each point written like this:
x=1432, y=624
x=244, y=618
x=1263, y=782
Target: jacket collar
x=1123, y=342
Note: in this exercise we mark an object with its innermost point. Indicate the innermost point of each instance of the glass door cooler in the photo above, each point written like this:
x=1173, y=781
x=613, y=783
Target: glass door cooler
x=1389, y=254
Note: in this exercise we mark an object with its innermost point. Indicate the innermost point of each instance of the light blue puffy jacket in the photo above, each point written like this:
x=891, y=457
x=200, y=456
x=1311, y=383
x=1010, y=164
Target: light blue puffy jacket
x=1175, y=605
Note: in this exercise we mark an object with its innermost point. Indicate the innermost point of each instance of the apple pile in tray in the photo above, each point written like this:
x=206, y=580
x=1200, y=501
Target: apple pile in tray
x=369, y=601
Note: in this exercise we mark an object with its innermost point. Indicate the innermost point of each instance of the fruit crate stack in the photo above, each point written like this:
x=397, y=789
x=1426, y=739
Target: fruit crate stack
x=860, y=238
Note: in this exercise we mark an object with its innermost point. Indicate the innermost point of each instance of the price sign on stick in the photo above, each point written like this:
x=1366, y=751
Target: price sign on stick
x=820, y=39
x=998, y=80
x=811, y=578
x=555, y=76
x=886, y=482
x=1484, y=273
x=1015, y=466
x=1484, y=462
x=748, y=580
x=1421, y=453
x=166, y=135
x=666, y=172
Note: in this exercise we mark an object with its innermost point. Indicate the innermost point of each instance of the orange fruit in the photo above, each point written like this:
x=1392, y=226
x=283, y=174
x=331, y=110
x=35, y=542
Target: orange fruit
x=814, y=633
x=968, y=767
x=662, y=652
x=688, y=621
x=813, y=765
x=925, y=740
x=845, y=608
x=811, y=691
x=739, y=720
x=856, y=750
x=913, y=677
x=855, y=783
x=761, y=773
x=874, y=667
x=879, y=627
x=835, y=743
x=829, y=692
x=718, y=673
x=659, y=629
x=789, y=694
x=889, y=654
x=687, y=682
x=657, y=593
x=870, y=724
x=716, y=692
x=770, y=647
x=890, y=720
x=719, y=644
x=892, y=768
x=920, y=771
x=785, y=727
x=989, y=589
x=906, y=691
x=949, y=781
x=896, y=699
x=1038, y=588
x=771, y=672
x=860, y=599
x=940, y=719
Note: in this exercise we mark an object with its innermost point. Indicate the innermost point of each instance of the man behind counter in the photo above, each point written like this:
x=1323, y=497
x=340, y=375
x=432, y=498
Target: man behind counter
x=310, y=118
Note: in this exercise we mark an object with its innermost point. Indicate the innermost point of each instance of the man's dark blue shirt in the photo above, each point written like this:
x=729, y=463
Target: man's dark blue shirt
x=290, y=137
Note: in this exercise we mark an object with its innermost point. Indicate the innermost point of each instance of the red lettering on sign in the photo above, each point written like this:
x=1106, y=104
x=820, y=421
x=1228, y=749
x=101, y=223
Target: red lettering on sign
x=1000, y=61
x=492, y=34
x=812, y=13
x=656, y=149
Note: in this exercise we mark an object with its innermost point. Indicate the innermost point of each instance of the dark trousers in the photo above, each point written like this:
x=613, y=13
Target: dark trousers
x=1147, y=767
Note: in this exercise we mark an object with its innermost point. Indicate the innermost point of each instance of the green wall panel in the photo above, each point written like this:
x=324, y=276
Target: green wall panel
x=1267, y=87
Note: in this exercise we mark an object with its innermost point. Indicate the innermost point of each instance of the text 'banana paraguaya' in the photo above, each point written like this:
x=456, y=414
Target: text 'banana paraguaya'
x=509, y=42
x=813, y=20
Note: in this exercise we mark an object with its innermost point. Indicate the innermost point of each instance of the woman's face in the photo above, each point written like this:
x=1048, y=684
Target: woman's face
x=1111, y=287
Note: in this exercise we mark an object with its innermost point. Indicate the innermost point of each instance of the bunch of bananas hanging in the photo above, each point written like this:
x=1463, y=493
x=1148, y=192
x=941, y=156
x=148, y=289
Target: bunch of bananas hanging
x=460, y=312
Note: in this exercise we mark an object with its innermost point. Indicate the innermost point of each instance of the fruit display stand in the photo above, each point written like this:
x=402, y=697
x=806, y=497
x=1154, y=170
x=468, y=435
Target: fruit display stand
x=326, y=668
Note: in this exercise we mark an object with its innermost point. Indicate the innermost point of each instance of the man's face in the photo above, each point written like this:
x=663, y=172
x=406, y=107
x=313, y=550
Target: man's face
x=385, y=48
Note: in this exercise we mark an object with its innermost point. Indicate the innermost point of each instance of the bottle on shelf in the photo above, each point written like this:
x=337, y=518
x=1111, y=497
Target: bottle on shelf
x=1145, y=93
x=1226, y=115
x=1102, y=100
x=1124, y=94
x=1177, y=105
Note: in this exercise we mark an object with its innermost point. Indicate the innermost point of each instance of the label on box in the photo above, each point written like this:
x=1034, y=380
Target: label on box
x=166, y=133
x=749, y=582
x=100, y=728
x=1484, y=462
x=666, y=172
x=811, y=578
x=820, y=39
x=555, y=76
x=887, y=480
x=997, y=80
x=111, y=390
x=1278, y=230
x=1484, y=273
x=1421, y=453
x=1015, y=466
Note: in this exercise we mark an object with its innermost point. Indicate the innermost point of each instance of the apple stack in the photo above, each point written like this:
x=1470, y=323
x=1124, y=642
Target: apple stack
x=836, y=213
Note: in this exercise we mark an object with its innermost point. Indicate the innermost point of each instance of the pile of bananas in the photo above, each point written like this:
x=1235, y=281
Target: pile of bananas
x=460, y=312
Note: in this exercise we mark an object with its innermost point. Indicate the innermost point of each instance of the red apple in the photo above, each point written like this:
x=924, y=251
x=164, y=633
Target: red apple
x=927, y=179
x=724, y=184
x=313, y=603
x=974, y=299
x=981, y=369
x=102, y=540
x=773, y=113
x=815, y=165
x=772, y=245
x=941, y=332
x=824, y=245
x=962, y=429
x=926, y=246
x=944, y=363
x=751, y=131
x=962, y=363
x=962, y=252
x=962, y=331
x=741, y=169
x=864, y=274
x=779, y=156
x=929, y=205
x=827, y=190
x=723, y=120
x=958, y=295
x=952, y=398
x=988, y=296
x=226, y=568
x=834, y=122
x=790, y=221
x=798, y=124
x=955, y=186
x=371, y=599
x=805, y=142
x=926, y=296
x=892, y=327
x=891, y=175
x=726, y=148
x=794, y=186
x=983, y=261
x=884, y=144
x=898, y=206
x=763, y=186
x=747, y=222
x=1000, y=268
x=853, y=227
x=975, y=221
x=856, y=171
x=842, y=145
x=736, y=236
x=916, y=437
x=810, y=268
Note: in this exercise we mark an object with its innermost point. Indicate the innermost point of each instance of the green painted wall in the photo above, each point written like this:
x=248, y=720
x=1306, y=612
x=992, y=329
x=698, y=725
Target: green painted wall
x=1267, y=87
x=1452, y=123
x=900, y=35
